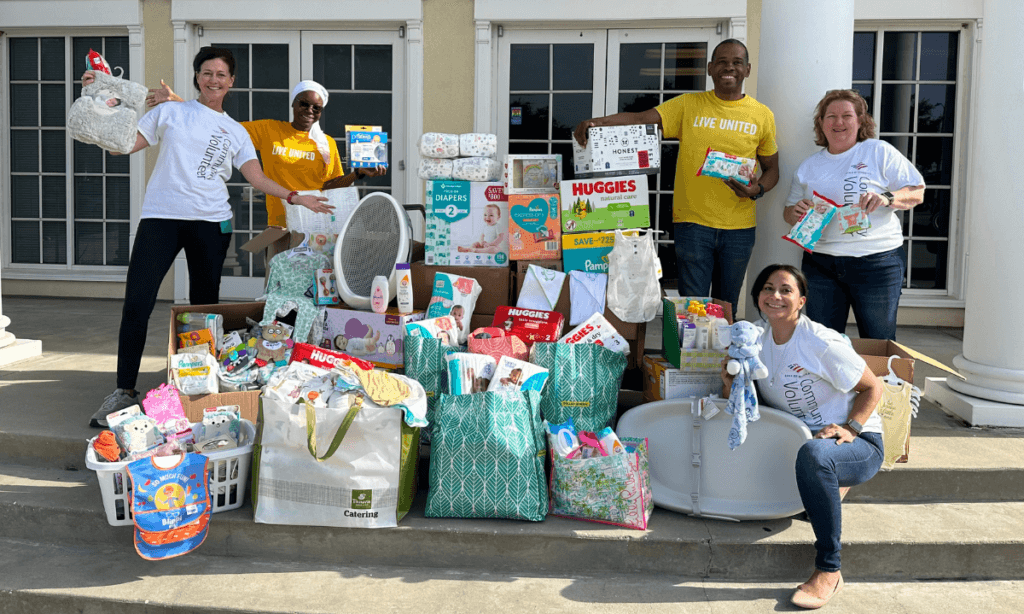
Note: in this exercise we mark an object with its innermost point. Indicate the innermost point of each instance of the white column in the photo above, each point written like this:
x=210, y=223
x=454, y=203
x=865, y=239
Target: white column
x=413, y=108
x=992, y=359
x=482, y=110
x=13, y=349
x=806, y=49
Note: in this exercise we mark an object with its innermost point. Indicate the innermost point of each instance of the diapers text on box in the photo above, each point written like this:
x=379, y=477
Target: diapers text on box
x=605, y=204
x=618, y=150
x=534, y=226
x=374, y=337
x=466, y=224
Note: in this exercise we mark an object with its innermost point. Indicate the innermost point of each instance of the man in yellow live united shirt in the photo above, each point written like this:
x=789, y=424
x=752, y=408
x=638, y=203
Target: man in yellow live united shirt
x=714, y=219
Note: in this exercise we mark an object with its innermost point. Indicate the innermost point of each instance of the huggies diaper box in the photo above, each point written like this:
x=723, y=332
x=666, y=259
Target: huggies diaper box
x=466, y=224
x=605, y=204
x=618, y=150
x=374, y=337
x=533, y=226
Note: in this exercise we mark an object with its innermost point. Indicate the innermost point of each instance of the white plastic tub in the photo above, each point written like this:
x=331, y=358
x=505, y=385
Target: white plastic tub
x=229, y=472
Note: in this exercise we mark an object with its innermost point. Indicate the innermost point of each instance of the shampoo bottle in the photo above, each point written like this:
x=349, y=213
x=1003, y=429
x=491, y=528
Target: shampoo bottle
x=404, y=287
x=380, y=294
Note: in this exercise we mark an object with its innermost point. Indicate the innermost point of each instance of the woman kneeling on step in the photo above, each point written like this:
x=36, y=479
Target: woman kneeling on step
x=837, y=399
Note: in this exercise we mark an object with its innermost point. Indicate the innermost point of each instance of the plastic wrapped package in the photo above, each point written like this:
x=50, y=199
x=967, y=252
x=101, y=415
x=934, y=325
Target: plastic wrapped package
x=477, y=144
x=439, y=145
x=435, y=169
x=476, y=169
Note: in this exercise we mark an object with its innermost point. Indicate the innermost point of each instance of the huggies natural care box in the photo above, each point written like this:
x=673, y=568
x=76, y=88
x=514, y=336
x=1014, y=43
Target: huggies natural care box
x=533, y=227
x=605, y=204
x=466, y=224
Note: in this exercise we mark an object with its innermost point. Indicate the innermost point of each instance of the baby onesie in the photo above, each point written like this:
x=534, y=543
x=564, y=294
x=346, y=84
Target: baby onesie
x=291, y=274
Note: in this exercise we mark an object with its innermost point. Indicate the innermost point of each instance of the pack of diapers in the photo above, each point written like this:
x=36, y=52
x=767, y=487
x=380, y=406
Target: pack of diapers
x=476, y=169
x=808, y=229
x=512, y=374
x=435, y=169
x=195, y=373
x=597, y=329
x=469, y=373
x=439, y=145
x=443, y=328
x=476, y=144
x=454, y=296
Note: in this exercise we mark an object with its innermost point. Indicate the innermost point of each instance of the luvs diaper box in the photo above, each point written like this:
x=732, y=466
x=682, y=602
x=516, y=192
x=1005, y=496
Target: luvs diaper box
x=466, y=224
x=533, y=226
x=605, y=204
x=374, y=337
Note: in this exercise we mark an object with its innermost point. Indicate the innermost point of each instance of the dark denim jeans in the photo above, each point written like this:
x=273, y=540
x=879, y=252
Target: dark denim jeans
x=821, y=468
x=870, y=284
x=712, y=258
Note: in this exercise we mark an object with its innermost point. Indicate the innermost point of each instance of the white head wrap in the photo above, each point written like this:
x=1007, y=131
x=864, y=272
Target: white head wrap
x=316, y=134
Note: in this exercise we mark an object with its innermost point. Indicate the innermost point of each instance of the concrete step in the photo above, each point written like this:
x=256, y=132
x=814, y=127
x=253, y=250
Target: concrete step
x=881, y=540
x=43, y=578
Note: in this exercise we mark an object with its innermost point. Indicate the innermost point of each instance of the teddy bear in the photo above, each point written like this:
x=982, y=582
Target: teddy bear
x=273, y=345
x=746, y=366
x=358, y=347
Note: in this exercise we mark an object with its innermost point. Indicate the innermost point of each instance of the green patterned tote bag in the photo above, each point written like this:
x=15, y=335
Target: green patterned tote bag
x=487, y=457
x=583, y=383
x=424, y=362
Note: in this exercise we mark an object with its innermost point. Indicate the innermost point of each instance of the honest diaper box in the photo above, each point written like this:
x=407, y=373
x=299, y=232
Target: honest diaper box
x=618, y=150
x=533, y=226
x=466, y=224
x=605, y=204
x=588, y=251
x=374, y=337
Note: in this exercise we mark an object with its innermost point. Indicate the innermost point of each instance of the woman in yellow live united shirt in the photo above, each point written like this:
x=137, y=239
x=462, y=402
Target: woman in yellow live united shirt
x=297, y=155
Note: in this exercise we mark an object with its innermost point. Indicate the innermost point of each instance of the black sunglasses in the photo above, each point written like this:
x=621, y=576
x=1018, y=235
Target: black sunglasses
x=305, y=104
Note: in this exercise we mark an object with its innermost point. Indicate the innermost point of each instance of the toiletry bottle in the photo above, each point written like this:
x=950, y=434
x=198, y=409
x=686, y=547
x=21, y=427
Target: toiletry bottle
x=404, y=290
x=380, y=294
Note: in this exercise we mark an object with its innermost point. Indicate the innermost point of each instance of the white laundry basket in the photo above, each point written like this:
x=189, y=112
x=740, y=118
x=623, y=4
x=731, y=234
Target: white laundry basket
x=229, y=472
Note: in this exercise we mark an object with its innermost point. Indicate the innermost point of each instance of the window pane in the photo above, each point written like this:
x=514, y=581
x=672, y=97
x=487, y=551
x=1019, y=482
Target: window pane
x=361, y=109
x=240, y=206
x=898, y=108
x=573, y=67
x=566, y=150
x=88, y=158
x=55, y=243
x=24, y=151
x=931, y=218
x=24, y=196
x=863, y=56
x=635, y=103
x=664, y=218
x=80, y=46
x=236, y=105
x=52, y=64
x=117, y=244
x=236, y=264
x=55, y=197
x=271, y=105
x=928, y=264
x=25, y=242
x=332, y=66
x=899, y=56
x=115, y=52
x=905, y=144
x=669, y=155
x=270, y=66
x=89, y=198
x=54, y=107
x=567, y=111
x=529, y=68
x=685, y=66
x=935, y=159
x=867, y=92
x=938, y=55
x=640, y=66
x=24, y=104
x=55, y=151
x=241, y=53
x=670, y=274
x=936, y=108
x=24, y=59
x=117, y=198
x=532, y=148
x=534, y=116
x=89, y=243
x=116, y=164
x=373, y=67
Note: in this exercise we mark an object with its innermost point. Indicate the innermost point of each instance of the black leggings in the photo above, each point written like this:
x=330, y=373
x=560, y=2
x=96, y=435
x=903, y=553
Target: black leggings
x=157, y=244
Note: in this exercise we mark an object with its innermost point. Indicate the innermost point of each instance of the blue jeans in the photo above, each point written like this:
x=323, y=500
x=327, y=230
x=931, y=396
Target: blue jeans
x=870, y=284
x=821, y=468
x=712, y=258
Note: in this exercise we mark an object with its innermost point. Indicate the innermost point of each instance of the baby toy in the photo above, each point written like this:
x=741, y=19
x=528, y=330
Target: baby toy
x=745, y=366
x=273, y=345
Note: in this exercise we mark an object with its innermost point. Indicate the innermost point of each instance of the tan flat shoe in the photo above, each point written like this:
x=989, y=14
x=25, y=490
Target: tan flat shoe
x=808, y=601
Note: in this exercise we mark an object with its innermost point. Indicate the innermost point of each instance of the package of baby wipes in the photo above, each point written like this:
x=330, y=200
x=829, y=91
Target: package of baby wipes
x=808, y=229
x=727, y=166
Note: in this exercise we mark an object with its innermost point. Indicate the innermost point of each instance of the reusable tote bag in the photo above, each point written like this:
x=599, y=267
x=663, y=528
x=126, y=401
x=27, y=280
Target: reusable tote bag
x=354, y=483
x=612, y=489
x=487, y=457
x=633, y=289
x=425, y=363
x=583, y=383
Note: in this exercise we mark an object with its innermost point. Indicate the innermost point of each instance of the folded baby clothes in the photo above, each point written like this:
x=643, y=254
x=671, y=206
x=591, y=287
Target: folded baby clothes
x=478, y=144
x=435, y=169
x=439, y=145
x=476, y=169
x=586, y=295
x=541, y=288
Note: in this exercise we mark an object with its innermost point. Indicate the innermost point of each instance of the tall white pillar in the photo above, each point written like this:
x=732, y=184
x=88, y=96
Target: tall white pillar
x=992, y=358
x=13, y=349
x=806, y=49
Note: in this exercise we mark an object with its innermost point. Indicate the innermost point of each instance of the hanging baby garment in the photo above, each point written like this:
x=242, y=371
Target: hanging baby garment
x=633, y=289
x=170, y=504
x=586, y=295
x=291, y=274
x=541, y=288
x=899, y=403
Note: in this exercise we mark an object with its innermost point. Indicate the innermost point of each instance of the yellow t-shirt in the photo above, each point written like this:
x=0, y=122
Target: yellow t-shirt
x=742, y=127
x=291, y=159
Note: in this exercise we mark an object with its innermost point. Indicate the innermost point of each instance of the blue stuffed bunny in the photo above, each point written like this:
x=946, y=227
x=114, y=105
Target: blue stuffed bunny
x=746, y=366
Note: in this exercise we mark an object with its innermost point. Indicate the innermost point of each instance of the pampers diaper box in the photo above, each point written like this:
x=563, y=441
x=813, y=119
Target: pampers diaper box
x=588, y=251
x=605, y=204
x=466, y=224
x=533, y=227
x=374, y=337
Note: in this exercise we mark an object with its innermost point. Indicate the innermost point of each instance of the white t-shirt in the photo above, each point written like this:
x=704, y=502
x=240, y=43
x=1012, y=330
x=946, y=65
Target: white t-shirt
x=869, y=166
x=199, y=147
x=812, y=376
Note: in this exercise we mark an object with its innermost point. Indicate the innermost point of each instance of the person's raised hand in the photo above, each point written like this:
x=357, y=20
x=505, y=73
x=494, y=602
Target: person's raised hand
x=160, y=95
x=580, y=132
x=316, y=204
x=88, y=77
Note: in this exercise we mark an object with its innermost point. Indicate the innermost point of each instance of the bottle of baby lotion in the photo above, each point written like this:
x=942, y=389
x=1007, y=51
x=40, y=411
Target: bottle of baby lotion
x=404, y=287
x=380, y=294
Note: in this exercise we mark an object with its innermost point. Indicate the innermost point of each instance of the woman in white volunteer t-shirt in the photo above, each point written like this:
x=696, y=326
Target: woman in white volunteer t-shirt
x=859, y=261
x=815, y=374
x=185, y=207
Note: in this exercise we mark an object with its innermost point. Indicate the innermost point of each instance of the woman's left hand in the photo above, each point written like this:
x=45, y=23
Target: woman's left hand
x=834, y=431
x=869, y=201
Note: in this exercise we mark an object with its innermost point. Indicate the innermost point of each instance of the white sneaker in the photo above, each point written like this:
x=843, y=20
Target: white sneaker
x=116, y=401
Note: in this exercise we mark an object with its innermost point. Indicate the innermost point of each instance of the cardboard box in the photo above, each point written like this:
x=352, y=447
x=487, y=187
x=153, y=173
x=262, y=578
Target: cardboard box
x=534, y=226
x=248, y=404
x=605, y=204
x=374, y=337
x=367, y=149
x=663, y=381
x=689, y=360
x=234, y=319
x=496, y=283
x=532, y=173
x=463, y=216
x=876, y=353
x=618, y=150
x=275, y=240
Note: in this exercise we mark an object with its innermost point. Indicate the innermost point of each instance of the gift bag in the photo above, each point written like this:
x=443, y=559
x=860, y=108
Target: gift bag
x=583, y=383
x=357, y=481
x=425, y=363
x=487, y=457
x=612, y=489
x=495, y=342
